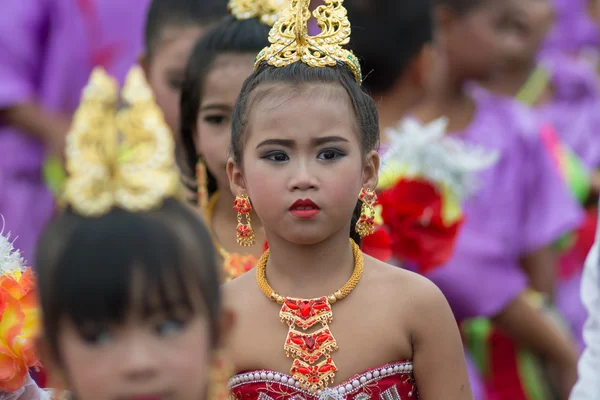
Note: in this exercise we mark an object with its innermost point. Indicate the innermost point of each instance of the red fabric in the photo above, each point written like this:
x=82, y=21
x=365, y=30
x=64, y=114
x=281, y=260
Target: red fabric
x=378, y=245
x=39, y=377
x=504, y=382
x=572, y=261
x=278, y=391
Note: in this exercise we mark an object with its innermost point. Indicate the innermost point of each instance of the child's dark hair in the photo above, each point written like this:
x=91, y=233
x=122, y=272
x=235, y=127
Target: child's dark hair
x=179, y=13
x=460, y=7
x=297, y=76
x=387, y=35
x=87, y=268
x=230, y=36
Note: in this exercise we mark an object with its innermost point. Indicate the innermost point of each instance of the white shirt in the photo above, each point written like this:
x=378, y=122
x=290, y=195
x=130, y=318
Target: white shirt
x=588, y=385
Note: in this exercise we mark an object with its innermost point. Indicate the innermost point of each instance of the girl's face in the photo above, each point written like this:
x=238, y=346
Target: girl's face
x=475, y=43
x=531, y=21
x=303, y=165
x=154, y=358
x=166, y=69
x=221, y=89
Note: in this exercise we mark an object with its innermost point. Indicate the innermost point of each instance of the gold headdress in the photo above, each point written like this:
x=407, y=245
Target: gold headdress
x=267, y=11
x=119, y=159
x=291, y=43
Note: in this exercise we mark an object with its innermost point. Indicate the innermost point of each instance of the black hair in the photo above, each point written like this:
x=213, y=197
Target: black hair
x=167, y=13
x=230, y=36
x=296, y=76
x=460, y=7
x=387, y=35
x=87, y=266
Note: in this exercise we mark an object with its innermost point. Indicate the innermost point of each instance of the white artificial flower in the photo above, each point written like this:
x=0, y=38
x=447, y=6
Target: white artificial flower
x=10, y=258
x=425, y=151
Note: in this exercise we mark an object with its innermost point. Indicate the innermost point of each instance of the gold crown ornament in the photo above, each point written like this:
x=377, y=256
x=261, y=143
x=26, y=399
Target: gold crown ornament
x=267, y=11
x=291, y=43
x=119, y=158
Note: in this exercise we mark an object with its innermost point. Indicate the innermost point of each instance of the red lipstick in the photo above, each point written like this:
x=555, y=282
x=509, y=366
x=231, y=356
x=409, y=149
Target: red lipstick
x=304, y=209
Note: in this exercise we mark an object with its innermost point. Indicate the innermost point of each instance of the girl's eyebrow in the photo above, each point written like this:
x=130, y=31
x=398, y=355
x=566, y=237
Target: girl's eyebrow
x=290, y=143
x=216, y=107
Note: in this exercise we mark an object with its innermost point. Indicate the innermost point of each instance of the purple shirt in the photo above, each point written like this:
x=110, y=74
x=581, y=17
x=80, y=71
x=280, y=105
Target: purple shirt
x=574, y=30
x=574, y=109
x=48, y=49
x=521, y=206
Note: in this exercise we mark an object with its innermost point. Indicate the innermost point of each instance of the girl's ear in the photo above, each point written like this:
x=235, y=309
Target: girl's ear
x=56, y=376
x=236, y=178
x=420, y=68
x=143, y=61
x=371, y=171
x=226, y=325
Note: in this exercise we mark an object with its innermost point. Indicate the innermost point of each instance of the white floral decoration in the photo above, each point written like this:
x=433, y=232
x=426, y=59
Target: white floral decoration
x=425, y=151
x=10, y=258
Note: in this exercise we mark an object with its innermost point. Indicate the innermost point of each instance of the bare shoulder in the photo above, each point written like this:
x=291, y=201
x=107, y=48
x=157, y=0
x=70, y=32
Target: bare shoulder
x=241, y=291
x=402, y=282
x=401, y=286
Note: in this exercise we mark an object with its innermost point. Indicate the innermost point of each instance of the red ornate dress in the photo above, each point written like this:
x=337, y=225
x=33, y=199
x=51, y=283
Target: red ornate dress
x=390, y=382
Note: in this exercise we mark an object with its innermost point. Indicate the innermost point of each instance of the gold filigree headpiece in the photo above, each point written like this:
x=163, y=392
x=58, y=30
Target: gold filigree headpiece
x=119, y=158
x=267, y=11
x=291, y=43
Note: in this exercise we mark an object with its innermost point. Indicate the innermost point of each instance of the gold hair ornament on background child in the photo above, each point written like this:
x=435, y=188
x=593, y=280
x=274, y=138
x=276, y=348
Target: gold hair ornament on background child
x=119, y=158
x=267, y=11
x=291, y=43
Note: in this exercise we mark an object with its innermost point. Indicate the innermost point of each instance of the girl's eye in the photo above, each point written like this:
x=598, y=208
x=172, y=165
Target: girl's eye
x=175, y=84
x=215, y=119
x=277, y=156
x=97, y=337
x=170, y=327
x=330, y=154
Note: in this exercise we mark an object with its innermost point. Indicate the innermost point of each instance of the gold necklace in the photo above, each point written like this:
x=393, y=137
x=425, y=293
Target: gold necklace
x=234, y=264
x=312, y=366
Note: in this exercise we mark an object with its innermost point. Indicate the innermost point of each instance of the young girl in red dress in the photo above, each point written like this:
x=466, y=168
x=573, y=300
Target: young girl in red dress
x=318, y=318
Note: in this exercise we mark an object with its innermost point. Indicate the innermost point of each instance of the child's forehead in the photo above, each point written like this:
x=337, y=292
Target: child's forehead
x=280, y=95
x=303, y=114
x=172, y=35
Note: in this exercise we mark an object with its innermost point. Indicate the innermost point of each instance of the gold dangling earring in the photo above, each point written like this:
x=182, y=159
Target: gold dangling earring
x=366, y=223
x=219, y=374
x=202, y=186
x=244, y=232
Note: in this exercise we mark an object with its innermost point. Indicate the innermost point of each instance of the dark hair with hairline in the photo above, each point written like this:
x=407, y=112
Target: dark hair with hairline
x=461, y=7
x=87, y=268
x=299, y=75
x=163, y=14
x=231, y=36
x=388, y=35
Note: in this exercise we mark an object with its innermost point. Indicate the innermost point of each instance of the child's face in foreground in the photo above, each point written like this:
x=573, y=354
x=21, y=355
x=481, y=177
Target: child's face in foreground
x=303, y=165
x=152, y=359
x=166, y=69
x=221, y=88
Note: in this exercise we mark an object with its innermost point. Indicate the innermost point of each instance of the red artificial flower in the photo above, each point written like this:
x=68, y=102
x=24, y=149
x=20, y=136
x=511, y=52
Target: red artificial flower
x=412, y=211
x=378, y=245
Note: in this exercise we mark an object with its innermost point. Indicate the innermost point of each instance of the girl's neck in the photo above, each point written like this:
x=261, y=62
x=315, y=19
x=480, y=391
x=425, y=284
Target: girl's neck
x=451, y=100
x=509, y=83
x=394, y=105
x=309, y=271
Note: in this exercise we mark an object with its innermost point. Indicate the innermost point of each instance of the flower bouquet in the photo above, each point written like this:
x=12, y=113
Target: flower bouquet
x=424, y=176
x=19, y=320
